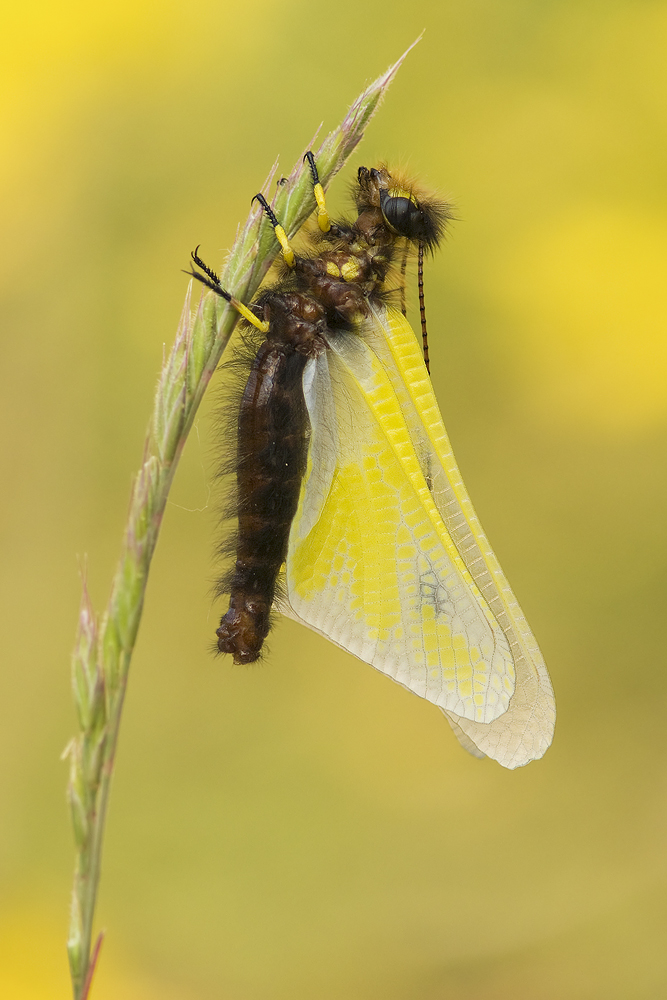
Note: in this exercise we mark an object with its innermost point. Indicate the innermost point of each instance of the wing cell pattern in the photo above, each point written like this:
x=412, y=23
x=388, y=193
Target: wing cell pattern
x=386, y=556
x=370, y=563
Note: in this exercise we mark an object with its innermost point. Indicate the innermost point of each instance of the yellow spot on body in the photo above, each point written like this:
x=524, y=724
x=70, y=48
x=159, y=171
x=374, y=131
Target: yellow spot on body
x=350, y=270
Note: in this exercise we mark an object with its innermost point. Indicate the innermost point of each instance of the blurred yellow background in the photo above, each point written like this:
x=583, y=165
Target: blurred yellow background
x=305, y=828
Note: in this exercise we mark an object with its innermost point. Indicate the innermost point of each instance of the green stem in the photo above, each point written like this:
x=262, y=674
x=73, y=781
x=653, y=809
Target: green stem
x=103, y=650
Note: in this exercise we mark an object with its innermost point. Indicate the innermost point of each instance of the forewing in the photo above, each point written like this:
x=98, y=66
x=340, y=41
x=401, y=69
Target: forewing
x=371, y=564
x=525, y=731
x=387, y=557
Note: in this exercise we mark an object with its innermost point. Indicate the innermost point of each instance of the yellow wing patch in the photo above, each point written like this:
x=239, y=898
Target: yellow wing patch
x=374, y=567
x=386, y=557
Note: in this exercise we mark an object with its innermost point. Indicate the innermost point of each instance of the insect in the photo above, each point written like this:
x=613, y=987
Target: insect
x=352, y=515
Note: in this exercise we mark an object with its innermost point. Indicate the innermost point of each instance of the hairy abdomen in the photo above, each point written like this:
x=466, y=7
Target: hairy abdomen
x=271, y=462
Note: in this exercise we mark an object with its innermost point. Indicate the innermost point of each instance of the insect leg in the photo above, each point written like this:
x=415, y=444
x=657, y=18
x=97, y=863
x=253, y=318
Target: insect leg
x=322, y=214
x=212, y=281
x=281, y=235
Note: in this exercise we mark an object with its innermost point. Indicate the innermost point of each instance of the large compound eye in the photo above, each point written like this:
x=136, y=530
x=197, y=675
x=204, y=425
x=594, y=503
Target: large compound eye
x=402, y=214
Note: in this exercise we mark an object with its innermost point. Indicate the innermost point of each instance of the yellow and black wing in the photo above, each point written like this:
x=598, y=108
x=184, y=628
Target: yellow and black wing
x=387, y=557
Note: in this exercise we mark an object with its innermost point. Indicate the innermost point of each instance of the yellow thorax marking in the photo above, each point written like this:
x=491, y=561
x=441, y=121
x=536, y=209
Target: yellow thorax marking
x=350, y=270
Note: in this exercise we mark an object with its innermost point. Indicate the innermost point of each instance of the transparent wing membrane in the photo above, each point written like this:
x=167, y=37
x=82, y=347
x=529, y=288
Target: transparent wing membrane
x=386, y=555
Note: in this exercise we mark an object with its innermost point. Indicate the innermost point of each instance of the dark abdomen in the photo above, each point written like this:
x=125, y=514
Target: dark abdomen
x=272, y=447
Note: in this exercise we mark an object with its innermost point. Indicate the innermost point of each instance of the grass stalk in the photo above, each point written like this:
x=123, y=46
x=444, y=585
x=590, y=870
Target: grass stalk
x=103, y=650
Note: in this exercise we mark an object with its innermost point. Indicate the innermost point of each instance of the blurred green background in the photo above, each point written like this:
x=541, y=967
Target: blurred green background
x=306, y=828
